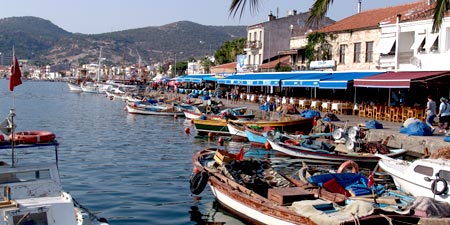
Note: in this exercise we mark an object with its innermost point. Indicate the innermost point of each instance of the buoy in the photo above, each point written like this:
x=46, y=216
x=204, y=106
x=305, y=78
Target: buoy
x=267, y=146
x=175, y=116
x=210, y=135
x=195, y=170
x=220, y=141
x=187, y=130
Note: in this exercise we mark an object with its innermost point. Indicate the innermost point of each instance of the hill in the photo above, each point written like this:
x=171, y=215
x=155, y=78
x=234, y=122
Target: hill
x=42, y=42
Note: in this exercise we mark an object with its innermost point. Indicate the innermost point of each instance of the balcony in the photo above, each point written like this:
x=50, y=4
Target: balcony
x=252, y=45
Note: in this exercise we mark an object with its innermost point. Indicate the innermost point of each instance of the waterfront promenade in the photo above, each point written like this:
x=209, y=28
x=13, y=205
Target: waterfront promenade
x=414, y=144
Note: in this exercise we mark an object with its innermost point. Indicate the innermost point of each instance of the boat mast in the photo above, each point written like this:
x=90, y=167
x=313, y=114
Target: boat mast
x=99, y=65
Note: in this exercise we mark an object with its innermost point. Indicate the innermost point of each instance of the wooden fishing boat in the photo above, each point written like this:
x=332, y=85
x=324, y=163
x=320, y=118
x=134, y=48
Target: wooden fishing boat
x=159, y=110
x=302, y=125
x=320, y=150
x=421, y=177
x=254, y=191
x=231, y=113
x=237, y=131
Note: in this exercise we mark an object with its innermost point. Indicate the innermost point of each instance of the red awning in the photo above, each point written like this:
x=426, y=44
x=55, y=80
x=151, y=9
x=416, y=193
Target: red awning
x=397, y=79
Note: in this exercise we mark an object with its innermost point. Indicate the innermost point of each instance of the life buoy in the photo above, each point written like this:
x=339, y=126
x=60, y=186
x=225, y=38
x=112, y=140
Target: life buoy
x=348, y=164
x=208, y=109
x=198, y=182
x=33, y=137
x=434, y=185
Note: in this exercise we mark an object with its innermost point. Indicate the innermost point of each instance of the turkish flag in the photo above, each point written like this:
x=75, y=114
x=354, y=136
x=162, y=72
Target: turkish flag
x=15, y=80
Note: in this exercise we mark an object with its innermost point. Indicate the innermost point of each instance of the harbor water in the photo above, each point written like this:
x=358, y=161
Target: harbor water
x=129, y=169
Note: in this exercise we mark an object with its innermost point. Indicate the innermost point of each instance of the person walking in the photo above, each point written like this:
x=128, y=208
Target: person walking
x=431, y=112
x=444, y=116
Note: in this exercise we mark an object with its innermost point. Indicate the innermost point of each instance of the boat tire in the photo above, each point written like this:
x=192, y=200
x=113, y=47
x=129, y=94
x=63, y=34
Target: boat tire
x=208, y=109
x=434, y=186
x=198, y=182
x=348, y=164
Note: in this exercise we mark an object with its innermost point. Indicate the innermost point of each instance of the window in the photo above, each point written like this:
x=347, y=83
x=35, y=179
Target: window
x=425, y=170
x=357, y=53
x=369, y=51
x=249, y=36
x=342, y=54
x=254, y=36
x=260, y=35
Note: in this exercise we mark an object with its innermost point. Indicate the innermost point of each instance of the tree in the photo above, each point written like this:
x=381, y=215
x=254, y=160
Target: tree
x=229, y=50
x=320, y=7
x=318, y=47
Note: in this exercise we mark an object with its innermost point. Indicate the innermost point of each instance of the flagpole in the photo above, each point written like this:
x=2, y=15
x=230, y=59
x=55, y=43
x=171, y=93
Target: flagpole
x=14, y=80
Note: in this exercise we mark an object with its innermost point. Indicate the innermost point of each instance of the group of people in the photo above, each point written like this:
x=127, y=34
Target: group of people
x=442, y=113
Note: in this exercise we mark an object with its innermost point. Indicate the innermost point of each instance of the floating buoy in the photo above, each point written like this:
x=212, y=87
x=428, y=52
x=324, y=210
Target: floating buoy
x=175, y=116
x=211, y=135
x=267, y=146
x=220, y=141
x=187, y=130
x=195, y=170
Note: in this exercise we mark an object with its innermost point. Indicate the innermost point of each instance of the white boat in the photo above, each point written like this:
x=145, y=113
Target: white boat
x=32, y=191
x=237, y=131
x=421, y=177
x=74, y=87
x=160, y=110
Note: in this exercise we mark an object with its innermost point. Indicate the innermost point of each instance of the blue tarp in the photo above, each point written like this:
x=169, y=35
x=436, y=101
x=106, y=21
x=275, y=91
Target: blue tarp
x=338, y=80
x=195, y=78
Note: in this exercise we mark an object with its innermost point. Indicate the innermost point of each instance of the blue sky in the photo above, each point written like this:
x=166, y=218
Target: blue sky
x=100, y=16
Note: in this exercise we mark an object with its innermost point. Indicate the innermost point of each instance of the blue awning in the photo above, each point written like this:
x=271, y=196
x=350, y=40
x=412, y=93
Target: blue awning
x=305, y=79
x=194, y=78
x=341, y=80
x=257, y=79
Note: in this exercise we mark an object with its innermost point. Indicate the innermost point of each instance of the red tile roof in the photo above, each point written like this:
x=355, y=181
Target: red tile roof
x=372, y=18
x=230, y=65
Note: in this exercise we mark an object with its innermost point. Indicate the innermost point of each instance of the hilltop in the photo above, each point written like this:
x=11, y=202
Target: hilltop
x=42, y=42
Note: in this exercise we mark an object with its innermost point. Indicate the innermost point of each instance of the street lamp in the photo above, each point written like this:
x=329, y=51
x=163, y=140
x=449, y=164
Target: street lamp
x=175, y=56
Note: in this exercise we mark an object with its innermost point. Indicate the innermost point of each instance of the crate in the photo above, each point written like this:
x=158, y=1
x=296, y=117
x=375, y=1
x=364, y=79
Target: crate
x=222, y=156
x=286, y=196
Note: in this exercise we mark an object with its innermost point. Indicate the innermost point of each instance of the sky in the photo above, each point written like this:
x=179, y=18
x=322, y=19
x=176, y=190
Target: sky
x=102, y=16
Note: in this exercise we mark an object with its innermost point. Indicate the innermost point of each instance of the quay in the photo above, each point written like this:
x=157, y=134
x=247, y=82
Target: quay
x=415, y=145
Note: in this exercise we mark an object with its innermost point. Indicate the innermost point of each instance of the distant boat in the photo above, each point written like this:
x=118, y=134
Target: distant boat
x=74, y=87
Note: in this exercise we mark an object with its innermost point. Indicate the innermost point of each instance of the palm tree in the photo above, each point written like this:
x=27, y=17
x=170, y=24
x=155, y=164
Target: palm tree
x=320, y=8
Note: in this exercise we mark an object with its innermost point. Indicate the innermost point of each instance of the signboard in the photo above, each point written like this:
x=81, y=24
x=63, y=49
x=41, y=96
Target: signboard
x=322, y=64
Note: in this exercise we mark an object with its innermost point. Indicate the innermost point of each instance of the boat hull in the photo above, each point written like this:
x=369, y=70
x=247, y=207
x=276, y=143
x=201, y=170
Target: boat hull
x=307, y=153
x=143, y=111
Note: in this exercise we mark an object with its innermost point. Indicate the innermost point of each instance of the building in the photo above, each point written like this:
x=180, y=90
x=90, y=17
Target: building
x=268, y=40
x=356, y=39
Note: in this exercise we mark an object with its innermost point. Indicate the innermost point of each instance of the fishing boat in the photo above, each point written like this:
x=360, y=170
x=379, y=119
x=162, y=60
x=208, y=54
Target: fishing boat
x=233, y=113
x=153, y=109
x=324, y=150
x=73, y=87
x=421, y=177
x=285, y=124
x=254, y=191
x=237, y=131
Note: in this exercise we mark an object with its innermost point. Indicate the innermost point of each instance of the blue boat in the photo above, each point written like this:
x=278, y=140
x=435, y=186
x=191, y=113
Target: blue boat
x=256, y=138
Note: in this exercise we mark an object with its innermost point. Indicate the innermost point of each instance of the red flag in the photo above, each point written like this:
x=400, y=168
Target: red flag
x=15, y=80
x=371, y=181
x=240, y=155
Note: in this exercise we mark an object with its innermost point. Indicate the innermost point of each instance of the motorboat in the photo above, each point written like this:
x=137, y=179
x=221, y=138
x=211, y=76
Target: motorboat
x=420, y=177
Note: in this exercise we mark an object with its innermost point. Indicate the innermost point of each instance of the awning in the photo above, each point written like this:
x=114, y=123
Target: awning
x=256, y=79
x=430, y=41
x=396, y=79
x=304, y=80
x=385, y=45
x=417, y=42
x=194, y=78
x=340, y=80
